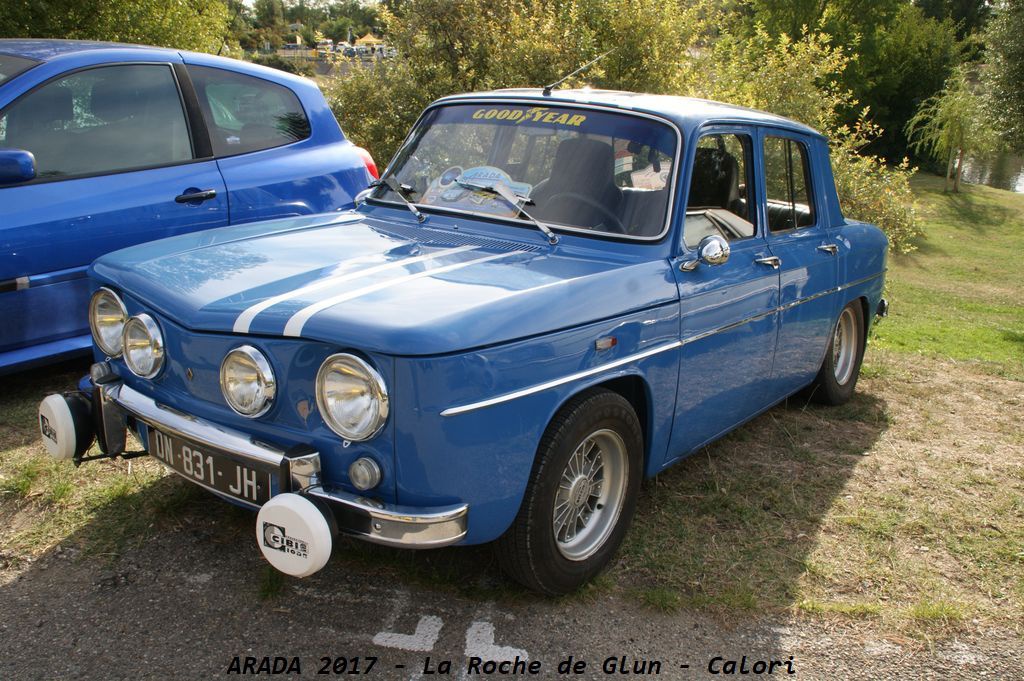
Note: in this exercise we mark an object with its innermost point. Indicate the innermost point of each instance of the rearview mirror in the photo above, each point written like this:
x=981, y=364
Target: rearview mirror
x=16, y=165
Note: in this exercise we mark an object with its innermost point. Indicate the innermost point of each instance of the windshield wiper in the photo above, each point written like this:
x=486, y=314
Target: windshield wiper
x=513, y=199
x=397, y=187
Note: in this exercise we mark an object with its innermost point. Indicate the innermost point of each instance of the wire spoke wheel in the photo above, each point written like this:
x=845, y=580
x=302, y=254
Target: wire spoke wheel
x=590, y=492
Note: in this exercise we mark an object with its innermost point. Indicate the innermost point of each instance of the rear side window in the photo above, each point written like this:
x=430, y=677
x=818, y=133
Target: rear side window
x=101, y=120
x=10, y=66
x=787, y=177
x=246, y=114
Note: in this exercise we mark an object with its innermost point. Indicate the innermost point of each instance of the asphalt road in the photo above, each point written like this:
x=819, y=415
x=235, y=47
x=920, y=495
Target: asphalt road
x=185, y=604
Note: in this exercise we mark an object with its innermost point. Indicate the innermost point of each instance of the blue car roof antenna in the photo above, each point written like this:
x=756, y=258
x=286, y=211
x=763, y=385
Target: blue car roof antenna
x=549, y=88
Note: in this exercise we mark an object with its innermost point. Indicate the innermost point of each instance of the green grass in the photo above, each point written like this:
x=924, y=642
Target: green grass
x=959, y=295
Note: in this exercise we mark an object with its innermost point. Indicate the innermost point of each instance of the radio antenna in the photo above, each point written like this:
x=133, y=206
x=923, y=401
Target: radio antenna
x=549, y=88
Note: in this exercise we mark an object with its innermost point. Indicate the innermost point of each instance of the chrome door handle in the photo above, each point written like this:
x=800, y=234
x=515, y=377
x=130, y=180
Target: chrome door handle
x=772, y=261
x=831, y=249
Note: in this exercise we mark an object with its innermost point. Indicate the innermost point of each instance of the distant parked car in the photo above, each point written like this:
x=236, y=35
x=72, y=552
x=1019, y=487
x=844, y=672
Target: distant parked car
x=550, y=296
x=104, y=146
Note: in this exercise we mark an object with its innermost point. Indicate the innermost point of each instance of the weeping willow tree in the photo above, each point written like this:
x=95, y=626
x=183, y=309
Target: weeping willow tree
x=951, y=125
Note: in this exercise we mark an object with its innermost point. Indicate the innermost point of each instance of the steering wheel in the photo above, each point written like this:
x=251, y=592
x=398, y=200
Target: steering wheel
x=612, y=220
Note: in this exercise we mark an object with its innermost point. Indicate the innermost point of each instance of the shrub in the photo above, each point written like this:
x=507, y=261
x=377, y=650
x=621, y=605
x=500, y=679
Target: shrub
x=278, y=62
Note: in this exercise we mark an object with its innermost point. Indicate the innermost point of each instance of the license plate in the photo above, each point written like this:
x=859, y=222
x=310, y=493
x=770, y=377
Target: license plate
x=213, y=469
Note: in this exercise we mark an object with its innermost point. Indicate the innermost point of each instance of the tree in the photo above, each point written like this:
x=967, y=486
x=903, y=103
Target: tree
x=968, y=15
x=448, y=46
x=899, y=54
x=910, y=61
x=953, y=124
x=186, y=24
x=1004, y=76
x=269, y=13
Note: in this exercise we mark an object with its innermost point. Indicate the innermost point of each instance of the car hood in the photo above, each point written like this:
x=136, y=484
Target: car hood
x=380, y=285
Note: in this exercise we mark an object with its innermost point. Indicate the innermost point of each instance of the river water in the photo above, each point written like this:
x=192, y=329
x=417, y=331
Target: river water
x=1003, y=171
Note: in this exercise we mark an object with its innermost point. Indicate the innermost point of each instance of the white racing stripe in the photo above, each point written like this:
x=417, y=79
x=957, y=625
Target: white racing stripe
x=244, y=320
x=299, y=319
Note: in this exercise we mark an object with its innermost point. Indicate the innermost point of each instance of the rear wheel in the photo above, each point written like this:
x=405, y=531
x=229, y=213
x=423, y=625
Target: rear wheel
x=839, y=371
x=581, y=496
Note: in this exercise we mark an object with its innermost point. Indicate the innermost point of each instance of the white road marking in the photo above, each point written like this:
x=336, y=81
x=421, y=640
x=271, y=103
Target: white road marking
x=480, y=643
x=245, y=319
x=428, y=629
x=299, y=319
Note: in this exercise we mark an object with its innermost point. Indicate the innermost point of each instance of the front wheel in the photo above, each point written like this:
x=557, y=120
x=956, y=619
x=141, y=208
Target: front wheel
x=580, y=498
x=837, y=377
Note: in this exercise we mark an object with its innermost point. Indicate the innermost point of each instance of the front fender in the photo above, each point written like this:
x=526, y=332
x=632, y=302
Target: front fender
x=467, y=426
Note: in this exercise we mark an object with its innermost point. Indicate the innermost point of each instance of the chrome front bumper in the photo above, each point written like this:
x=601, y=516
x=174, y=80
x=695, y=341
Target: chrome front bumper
x=368, y=519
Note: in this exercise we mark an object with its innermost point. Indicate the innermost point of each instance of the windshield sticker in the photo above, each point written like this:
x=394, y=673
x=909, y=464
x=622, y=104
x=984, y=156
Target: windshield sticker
x=537, y=114
x=446, y=191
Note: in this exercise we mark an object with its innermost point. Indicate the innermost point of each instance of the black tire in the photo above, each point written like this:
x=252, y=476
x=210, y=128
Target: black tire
x=834, y=386
x=531, y=551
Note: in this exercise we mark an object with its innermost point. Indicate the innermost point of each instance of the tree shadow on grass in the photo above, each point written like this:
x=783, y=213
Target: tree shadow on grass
x=980, y=214
x=733, y=525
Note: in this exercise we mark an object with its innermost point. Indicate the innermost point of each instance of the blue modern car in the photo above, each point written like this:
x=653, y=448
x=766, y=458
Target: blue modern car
x=104, y=146
x=549, y=296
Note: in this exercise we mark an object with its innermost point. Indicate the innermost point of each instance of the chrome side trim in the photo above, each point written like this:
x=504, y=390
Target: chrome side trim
x=807, y=299
x=861, y=280
x=21, y=283
x=452, y=411
x=247, y=316
x=729, y=327
x=299, y=319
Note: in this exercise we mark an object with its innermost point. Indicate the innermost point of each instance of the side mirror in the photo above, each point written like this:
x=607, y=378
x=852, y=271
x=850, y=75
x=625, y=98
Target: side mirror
x=713, y=250
x=16, y=165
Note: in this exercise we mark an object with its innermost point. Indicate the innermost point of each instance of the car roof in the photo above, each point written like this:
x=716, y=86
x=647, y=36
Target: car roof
x=45, y=50
x=688, y=112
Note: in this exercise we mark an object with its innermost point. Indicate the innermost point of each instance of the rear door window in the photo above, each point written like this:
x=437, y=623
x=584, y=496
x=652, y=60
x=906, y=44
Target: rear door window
x=245, y=114
x=787, y=175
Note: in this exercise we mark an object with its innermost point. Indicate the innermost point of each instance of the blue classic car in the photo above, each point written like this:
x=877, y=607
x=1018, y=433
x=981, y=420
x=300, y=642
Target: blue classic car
x=548, y=297
x=104, y=146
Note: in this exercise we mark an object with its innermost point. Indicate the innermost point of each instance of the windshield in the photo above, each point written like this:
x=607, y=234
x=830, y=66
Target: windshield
x=571, y=168
x=12, y=66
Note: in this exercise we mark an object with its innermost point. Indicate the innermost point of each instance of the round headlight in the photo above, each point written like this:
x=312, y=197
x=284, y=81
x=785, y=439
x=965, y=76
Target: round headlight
x=106, y=319
x=143, y=346
x=247, y=381
x=351, y=396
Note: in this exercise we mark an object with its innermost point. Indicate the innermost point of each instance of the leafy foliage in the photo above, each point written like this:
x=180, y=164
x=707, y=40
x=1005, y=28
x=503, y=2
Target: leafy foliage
x=458, y=45
x=1005, y=75
x=903, y=53
x=182, y=24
